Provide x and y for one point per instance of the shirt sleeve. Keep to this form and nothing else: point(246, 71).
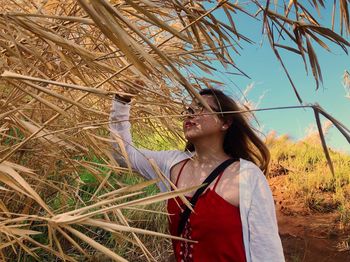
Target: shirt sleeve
point(265, 242)
point(138, 158)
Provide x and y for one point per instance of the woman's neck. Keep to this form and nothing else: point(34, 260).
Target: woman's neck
point(209, 152)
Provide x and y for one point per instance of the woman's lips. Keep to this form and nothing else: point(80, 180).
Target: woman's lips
point(189, 124)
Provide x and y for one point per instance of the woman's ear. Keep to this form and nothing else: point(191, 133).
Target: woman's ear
point(227, 124)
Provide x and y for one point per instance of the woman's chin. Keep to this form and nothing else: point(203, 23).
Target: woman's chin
point(190, 136)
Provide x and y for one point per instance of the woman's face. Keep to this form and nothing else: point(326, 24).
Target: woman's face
point(201, 124)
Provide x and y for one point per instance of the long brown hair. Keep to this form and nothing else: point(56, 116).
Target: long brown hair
point(241, 140)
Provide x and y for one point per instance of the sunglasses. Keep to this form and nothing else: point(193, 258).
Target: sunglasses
point(195, 110)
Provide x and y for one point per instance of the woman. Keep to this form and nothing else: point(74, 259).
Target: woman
point(234, 219)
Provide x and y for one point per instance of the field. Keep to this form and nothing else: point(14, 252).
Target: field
point(312, 205)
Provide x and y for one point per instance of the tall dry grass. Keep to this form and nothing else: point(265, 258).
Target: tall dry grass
point(306, 182)
point(62, 62)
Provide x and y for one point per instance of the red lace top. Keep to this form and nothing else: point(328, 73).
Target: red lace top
point(215, 224)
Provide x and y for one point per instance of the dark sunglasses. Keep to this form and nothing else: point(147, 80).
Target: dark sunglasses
point(195, 110)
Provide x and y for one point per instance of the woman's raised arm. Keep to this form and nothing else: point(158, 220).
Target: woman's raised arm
point(139, 158)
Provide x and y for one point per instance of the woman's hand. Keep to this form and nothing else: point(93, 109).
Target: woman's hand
point(125, 99)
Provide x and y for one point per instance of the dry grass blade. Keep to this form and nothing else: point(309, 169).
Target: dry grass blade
point(115, 227)
point(12, 75)
point(270, 37)
point(288, 48)
point(115, 33)
point(341, 127)
point(344, 15)
point(8, 113)
point(3, 207)
point(329, 34)
point(68, 218)
point(50, 250)
point(44, 135)
point(40, 99)
point(316, 71)
point(95, 244)
point(77, 212)
point(22, 184)
point(121, 146)
point(157, 21)
point(73, 242)
point(301, 30)
point(21, 232)
point(60, 97)
point(145, 251)
point(163, 178)
point(60, 41)
point(65, 18)
point(129, 189)
point(323, 141)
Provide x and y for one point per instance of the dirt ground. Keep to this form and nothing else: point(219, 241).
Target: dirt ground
point(306, 235)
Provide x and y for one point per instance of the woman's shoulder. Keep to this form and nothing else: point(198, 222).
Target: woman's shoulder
point(250, 172)
point(179, 156)
point(173, 157)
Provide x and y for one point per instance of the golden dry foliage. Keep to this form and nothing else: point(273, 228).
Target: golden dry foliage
point(63, 61)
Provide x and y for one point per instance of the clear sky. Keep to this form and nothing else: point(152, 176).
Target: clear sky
point(269, 79)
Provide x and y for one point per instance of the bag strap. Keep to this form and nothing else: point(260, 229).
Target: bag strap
point(214, 174)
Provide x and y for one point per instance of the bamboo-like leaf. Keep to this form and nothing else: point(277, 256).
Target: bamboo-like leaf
point(24, 185)
point(157, 21)
point(42, 100)
point(58, 245)
point(323, 141)
point(128, 189)
point(21, 232)
point(50, 250)
point(270, 37)
point(93, 206)
point(344, 14)
point(12, 75)
point(341, 127)
point(3, 207)
point(36, 29)
point(124, 221)
point(67, 218)
point(115, 227)
point(326, 32)
point(316, 71)
point(95, 244)
point(288, 48)
point(73, 242)
point(319, 41)
point(116, 33)
point(65, 18)
point(8, 113)
point(164, 179)
point(44, 135)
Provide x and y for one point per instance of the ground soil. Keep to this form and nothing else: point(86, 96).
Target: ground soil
point(307, 235)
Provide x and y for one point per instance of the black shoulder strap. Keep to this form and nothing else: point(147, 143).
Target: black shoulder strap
point(217, 171)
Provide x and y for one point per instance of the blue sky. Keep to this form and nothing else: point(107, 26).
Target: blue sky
point(269, 79)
